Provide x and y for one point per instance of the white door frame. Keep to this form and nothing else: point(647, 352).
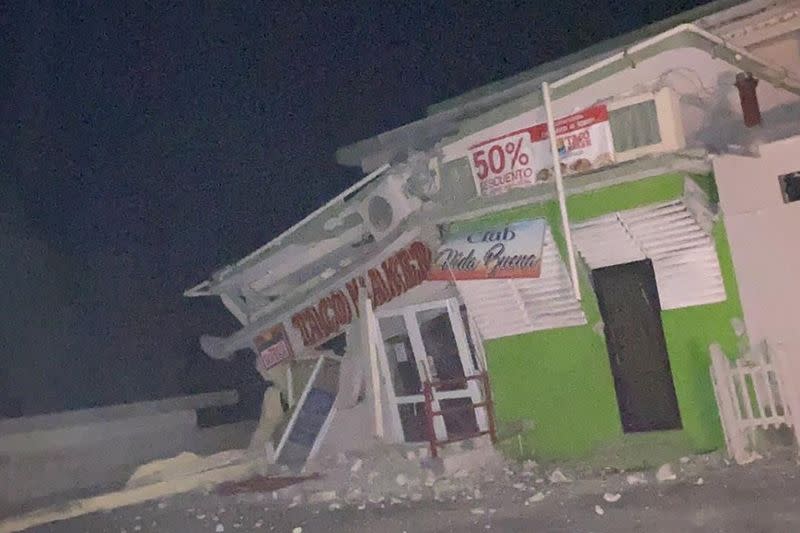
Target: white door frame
point(472, 390)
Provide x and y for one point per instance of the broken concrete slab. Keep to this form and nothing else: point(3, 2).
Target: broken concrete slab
point(599, 510)
point(539, 496)
point(184, 464)
point(557, 476)
point(636, 479)
point(665, 473)
point(322, 497)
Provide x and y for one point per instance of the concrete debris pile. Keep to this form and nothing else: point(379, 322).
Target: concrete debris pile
point(393, 474)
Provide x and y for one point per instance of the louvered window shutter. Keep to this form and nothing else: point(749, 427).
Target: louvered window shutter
point(683, 253)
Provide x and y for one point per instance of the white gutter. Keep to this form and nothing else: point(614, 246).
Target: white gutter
point(201, 289)
point(562, 201)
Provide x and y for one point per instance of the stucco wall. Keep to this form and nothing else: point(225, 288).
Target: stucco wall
point(561, 379)
point(65, 453)
point(763, 233)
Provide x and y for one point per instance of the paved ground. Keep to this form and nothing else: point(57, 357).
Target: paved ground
point(762, 497)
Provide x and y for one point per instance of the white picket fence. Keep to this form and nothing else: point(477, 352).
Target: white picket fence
point(750, 394)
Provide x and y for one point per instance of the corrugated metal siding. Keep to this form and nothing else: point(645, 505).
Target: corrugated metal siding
point(512, 306)
point(683, 253)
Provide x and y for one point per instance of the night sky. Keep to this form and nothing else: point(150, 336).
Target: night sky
point(147, 144)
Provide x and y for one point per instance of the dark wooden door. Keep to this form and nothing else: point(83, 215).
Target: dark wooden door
point(628, 299)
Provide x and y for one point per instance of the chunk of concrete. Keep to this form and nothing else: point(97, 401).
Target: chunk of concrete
point(539, 496)
point(665, 473)
point(599, 510)
point(636, 479)
point(322, 496)
point(557, 476)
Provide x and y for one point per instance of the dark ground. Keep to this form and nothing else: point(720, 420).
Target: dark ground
point(762, 497)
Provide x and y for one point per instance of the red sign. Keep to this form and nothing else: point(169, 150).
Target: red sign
point(402, 271)
point(273, 346)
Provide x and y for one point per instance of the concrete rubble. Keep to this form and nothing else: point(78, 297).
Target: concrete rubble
point(665, 473)
point(186, 464)
point(556, 476)
point(397, 474)
point(387, 476)
point(599, 510)
point(392, 475)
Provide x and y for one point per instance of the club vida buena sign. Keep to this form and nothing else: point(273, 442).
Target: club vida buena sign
point(399, 273)
point(492, 252)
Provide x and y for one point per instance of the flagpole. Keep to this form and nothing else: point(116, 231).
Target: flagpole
point(562, 201)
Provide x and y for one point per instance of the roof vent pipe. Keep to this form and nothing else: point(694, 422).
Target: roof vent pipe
point(746, 84)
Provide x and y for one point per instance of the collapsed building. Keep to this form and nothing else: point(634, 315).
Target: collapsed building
point(581, 233)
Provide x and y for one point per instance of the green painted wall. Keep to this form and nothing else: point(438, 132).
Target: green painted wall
point(561, 379)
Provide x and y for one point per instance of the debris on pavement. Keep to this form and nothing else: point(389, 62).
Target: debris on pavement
point(322, 497)
point(599, 510)
point(636, 479)
point(557, 476)
point(612, 497)
point(539, 496)
point(395, 474)
point(665, 473)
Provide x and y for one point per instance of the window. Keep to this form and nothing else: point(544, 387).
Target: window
point(790, 187)
point(634, 126)
point(646, 124)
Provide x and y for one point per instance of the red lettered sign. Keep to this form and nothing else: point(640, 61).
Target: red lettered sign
point(400, 272)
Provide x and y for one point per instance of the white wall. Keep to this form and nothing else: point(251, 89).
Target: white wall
point(763, 234)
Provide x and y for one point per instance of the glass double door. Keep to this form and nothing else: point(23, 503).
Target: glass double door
point(431, 339)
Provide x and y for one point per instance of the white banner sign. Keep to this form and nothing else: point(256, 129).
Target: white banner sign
point(522, 158)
